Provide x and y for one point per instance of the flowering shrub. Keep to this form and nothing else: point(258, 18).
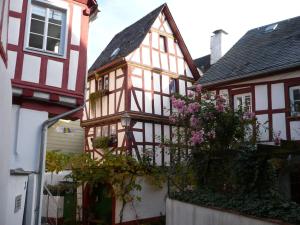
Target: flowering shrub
point(209, 123)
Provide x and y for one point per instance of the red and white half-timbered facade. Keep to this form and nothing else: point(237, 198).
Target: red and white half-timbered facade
point(261, 72)
point(137, 74)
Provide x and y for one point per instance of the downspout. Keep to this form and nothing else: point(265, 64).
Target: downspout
point(42, 157)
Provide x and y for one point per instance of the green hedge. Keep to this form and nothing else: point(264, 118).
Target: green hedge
point(266, 205)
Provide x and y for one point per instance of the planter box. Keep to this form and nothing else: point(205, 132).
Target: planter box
point(179, 213)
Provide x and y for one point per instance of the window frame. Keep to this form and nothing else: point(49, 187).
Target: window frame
point(165, 44)
point(292, 100)
point(243, 97)
point(48, 4)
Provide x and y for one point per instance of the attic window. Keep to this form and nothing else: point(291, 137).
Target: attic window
point(270, 28)
point(115, 53)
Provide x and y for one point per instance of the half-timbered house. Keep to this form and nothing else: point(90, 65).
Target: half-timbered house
point(136, 74)
point(43, 50)
point(261, 72)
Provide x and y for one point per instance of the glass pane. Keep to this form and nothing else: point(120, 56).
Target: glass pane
point(239, 101)
point(297, 106)
point(53, 45)
point(36, 41)
point(106, 83)
point(113, 130)
point(54, 30)
point(37, 26)
point(105, 131)
point(162, 44)
point(296, 93)
point(55, 16)
point(38, 12)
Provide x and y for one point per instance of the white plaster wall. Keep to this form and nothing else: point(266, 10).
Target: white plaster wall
point(171, 45)
point(295, 130)
point(155, 59)
point(16, 5)
point(76, 25)
point(188, 71)
point(173, 64)
point(148, 132)
point(148, 102)
point(155, 39)
point(277, 91)
point(54, 73)
point(5, 138)
point(28, 139)
point(137, 82)
point(4, 34)
point(261, 97)
point(279, 124)
point(180, 213)
point(122, 102)
point(31, 199)
point(157, 104)
point(31, 68)
point(119, 82)
point(138, 136)
point(156, 82)
point(11, 66)
point(147, 80)
point(165, 84)
point(112, 78)
point(120, 138)
point(146, 56)
point(74, 56)
point(111, 105)
point(136, 56)
point(104, 105)
point(17, 186)
point(180, 66)
point(151, 205)
point(164, 61)
point(263, 127)
point(13, 30)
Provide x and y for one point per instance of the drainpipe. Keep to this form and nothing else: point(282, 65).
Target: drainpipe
point(42, 157)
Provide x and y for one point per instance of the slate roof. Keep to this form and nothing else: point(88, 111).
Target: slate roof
point(127, 40)
point(203, 63)
point(261, 50)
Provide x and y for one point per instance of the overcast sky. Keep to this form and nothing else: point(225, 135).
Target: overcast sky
point(196, 19)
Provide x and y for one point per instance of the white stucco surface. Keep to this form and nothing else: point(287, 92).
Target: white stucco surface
point(261, 97)
point(16, 5)
point(13, 30)
point(277, 91)
point(151, 205)
point(31, 68)
point(54, 73)
point(74, 56)
point(279, 124)
point(295, 130)
point(28, 138)
point(180, 213)
point(76, 25)
point(5, 138)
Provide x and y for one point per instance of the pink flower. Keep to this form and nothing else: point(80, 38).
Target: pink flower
point(197, 137)
point(198, 88)
point(193, 107)
point(194, 121)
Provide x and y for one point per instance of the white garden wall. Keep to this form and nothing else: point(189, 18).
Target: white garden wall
point(180, 213)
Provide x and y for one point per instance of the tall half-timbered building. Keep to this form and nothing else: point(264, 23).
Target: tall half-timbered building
point(136, 74)
point(43, 68)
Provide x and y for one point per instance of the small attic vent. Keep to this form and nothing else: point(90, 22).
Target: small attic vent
point(270, 28)
point(115, 52)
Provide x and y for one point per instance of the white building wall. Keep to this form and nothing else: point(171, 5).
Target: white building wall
point(28, 138)
point(261, 97)
point(5, 138)
point(152, 203)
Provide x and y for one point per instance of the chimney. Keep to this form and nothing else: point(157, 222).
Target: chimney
point(217, 46)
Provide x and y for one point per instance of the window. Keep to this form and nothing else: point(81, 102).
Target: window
point(244, 101)
point(47, 29)
point(295, 100)
point(163, 43)
point(105, 82)
point(172, 86)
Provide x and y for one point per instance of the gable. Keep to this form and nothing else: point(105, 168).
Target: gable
point(136, 41)
point(161, 49)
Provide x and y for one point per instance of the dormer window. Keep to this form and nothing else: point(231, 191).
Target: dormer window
point(163, 43)
point(47, 29)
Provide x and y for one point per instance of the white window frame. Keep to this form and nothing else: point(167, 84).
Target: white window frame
point(55, 4)
point(243, 96)
point(292, 100)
